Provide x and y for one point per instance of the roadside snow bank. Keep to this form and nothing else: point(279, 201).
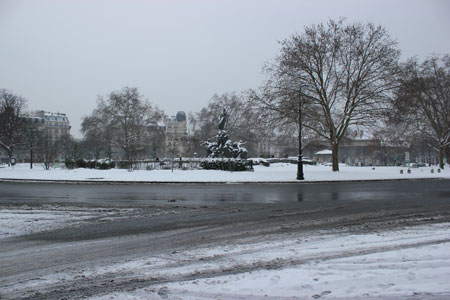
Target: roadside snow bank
point(406, 263)
point(26, 220)
point(328, 264)
point(403, 263)
point(279, 172)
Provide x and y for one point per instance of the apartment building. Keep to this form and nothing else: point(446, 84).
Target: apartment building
point(176, 133)
point(55, 125)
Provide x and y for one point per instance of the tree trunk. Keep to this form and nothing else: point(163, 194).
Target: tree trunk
point(335, 156)
point(441, 156)
point(109, 152)
point(447, 154)
point(128, 158)
point(10, 155)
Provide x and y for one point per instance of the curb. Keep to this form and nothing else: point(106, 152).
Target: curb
point(111, 182)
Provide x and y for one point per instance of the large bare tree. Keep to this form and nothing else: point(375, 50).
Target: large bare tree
point(423, 99)
point(97, 131)
point(122, 119)
point(11, 120)
point(337, 75)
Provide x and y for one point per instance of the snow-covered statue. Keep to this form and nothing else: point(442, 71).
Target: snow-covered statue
point(225, 154)
point(239, 152)
point(223, 147)
point(222, 138)
point(222, 120)
point(211, 148)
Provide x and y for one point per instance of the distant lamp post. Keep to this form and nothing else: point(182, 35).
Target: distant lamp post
point(300, 175)
point(32, 132)
point(429, 152)
point(195, 159)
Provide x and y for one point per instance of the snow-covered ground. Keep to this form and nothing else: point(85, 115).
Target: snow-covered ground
point(15, 221)
point(279, 172)
point(404, 263)
point(408, 262)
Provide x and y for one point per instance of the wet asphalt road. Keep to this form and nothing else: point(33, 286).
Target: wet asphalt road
point(211, 204)
point(377, 193)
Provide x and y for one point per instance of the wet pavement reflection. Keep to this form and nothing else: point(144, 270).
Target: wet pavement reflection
point(150, 194)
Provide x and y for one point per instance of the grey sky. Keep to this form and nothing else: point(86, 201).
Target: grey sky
point(61, 54)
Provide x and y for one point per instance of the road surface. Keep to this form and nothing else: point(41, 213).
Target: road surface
point(172, 218)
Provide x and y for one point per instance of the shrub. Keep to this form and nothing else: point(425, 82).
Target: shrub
point(227, 165)
point(106, 164)
point(70, 163)
point(81, 163)
point(91, 164)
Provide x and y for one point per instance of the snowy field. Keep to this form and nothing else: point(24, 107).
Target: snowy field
point(279, 172)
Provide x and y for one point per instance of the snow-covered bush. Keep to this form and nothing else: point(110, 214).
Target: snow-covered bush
point(260, 161)
point(227, 164)
point(106, 165)
point(70, 163)
point(81, 163)
point(103, 164)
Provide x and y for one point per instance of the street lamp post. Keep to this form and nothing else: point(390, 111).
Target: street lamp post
point(300, 151)
point(32, 131)
point(429, 153)
point(31, 156)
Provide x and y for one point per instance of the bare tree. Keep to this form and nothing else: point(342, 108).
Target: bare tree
point(97, 131)
point(48, 149)
point(31, 134)
point(334, 76)
point(68, 147)
point(423, 99)
point(122, 119)
point(204, 123)
point(11, 120)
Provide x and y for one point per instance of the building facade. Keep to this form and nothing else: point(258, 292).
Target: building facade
point(55, 125)
point(176, 134)
point(40, 126)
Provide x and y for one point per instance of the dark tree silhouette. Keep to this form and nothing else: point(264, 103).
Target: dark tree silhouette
point(340, 75)
point(423, 99)
point(12, 121)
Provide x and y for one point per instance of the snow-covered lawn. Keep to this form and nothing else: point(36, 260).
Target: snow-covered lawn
point(279, 172)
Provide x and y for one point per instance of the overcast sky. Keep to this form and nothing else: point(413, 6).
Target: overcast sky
point(61, 55)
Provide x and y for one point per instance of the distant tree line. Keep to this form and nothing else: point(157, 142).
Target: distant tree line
point(333, 79)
